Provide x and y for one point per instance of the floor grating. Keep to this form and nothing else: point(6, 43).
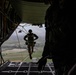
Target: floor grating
point(24, 68)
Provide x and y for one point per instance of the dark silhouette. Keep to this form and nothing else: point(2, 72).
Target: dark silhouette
point(41, 63)
point(60, 26)
point(30, 41)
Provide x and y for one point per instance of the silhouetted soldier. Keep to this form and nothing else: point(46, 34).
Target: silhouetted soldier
point(53, 36)
point(30, 41)
point(60, 41)
point(62, 29)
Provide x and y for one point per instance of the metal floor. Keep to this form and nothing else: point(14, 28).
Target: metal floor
point(24, 68)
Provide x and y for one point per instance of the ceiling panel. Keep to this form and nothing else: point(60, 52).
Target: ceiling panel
point(33, 12)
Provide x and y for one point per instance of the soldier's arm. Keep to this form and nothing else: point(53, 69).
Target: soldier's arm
point(25, 37)
point(36, 37)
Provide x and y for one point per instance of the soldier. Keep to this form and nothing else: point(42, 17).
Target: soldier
point(53, 36)
point(30, 41)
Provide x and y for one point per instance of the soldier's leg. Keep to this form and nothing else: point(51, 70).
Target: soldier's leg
point(29, 51)
point(32, 48)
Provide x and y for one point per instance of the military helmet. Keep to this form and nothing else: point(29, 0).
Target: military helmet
point(30, 30)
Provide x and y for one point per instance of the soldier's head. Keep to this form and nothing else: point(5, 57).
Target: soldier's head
point(47, 1)
point(51, 1)
point(30, 31)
